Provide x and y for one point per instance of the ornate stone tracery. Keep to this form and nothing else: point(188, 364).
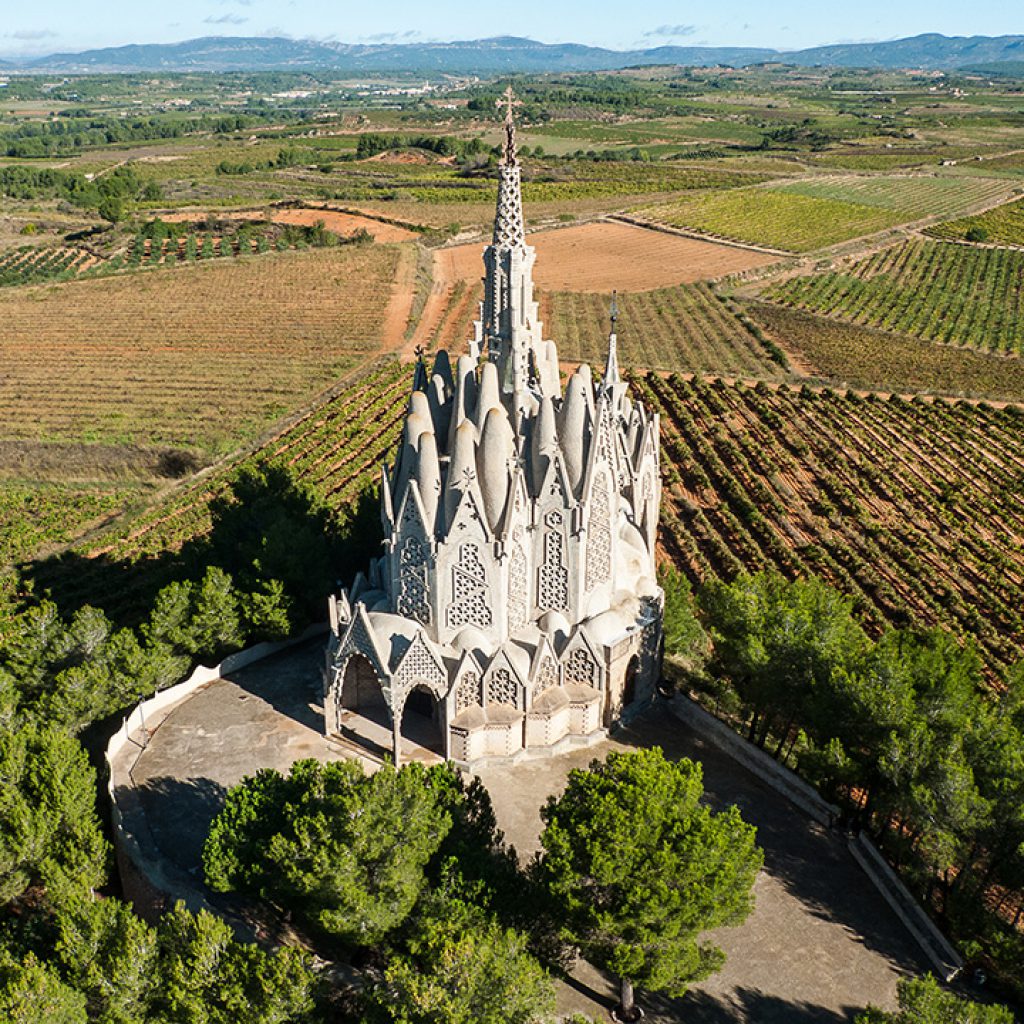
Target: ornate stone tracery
point(413, 596)
point(599, 542)
point(469, 590)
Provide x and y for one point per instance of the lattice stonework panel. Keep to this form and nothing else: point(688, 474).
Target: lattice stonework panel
point(419, 667)
point(470, 604)
point(468, 693)
point(581, 668)
point(553, 574)
point(414, 590)
point(547, 675)
point(599, 540)
point(502, 688)
point(518, 589)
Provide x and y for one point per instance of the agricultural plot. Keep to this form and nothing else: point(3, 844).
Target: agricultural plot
point(330, 456)
point(686, 328)
point(953, 294)
point(870, 359)
point(34, 515)
point(773, 218)
point(1002, 225)
point(801, 216)
point(30, 264)
point(914, 508)
point(914, 196)
point(203, 355)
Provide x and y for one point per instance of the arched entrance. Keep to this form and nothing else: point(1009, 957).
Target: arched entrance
point(422, 727)
point(630, 680)
point(360, 687)
point(362, 714)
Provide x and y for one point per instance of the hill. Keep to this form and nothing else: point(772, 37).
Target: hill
point(514, 54)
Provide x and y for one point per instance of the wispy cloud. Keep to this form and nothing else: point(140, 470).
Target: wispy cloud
point(225, 19)
point(670, 31)
point(30, 35)
point(390, 37)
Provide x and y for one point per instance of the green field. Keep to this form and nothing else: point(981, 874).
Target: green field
point(774, 218)
point(936, 291)
point(1003, 225)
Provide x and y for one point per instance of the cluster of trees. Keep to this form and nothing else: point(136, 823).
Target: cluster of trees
point(292, 156)
point(407, 869)
point(373, 143)
point(108, 194)
point(70, 672)
point(71, 134)
point(901, 731)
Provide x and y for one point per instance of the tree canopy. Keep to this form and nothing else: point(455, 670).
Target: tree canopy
point(640, 868)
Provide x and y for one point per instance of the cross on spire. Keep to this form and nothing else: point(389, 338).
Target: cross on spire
point(509, 101)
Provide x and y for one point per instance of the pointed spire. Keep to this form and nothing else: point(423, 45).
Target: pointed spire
point(462, 469)
point(611, 369)
point(573, 425)
point(509, 229)
point(428, 478)
point(489, 396)
point(543, 442)
point(496, 449)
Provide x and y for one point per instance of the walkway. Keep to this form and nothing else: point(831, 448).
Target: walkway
point(820, 944)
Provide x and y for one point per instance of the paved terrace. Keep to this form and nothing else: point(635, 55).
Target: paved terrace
point(820, 944)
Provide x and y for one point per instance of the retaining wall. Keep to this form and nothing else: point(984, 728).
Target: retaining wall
point(144, 873)
point(945, 960)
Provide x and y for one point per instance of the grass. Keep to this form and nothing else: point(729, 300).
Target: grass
point(205, 354)
point(686, 328)
point(936, 291)
point(862, 357)
point(1002, 225)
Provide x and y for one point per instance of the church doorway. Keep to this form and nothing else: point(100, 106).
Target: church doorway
point(362, 713)
point(629, 683)
point(422, 726)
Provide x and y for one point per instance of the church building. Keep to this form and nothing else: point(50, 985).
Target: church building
point(515, 608)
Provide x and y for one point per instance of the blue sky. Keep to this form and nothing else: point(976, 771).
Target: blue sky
point(53, 25)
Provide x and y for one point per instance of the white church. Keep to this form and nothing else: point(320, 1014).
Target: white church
point(515, 609)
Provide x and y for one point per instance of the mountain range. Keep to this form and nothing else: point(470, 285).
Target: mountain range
point(508, 54)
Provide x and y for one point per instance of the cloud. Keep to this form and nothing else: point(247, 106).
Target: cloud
point(225, 19)
point(390, 37)
point(30, 35)
point(670, 31)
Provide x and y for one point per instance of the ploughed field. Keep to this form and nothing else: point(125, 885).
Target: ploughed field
point(203, 355)
point(914, 507)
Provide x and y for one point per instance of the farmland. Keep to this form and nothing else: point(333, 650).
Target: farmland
point(203, 355)
point(327, 458)
point(816, 212)
point(1002, 225)
point(31, 264)
point(683, 328)
point(940, 292)
point(914, 508)
point(871, 359)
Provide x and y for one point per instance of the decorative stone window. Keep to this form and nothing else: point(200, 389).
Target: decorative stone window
point(547, 675)
point(553, 575)
point(468, 693)
point(413, 598)
point(599, 541)
point(581, 668)
point(470, 604)
point(502, 688)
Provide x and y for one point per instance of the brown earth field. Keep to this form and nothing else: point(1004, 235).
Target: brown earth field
point(201, 355)
point(334, 220)
point(604, 255)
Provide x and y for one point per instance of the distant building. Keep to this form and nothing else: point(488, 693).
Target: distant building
point(515, 607)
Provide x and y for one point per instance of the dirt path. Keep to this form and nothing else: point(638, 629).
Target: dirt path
point(403, 293)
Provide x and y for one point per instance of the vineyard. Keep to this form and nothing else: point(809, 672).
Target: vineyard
point(331, 455)
point(686, 328)
point(915, 508)
point(772, 217)
point(32, 515)
point(913, 196)
point(953, 294)
point(1003, 225)
point(202, 355)
point(30, 264)
point(867, 358)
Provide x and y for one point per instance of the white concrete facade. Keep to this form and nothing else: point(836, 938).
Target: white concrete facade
point(517, 588)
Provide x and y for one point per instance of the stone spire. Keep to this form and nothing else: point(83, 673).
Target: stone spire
point(509, 328)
